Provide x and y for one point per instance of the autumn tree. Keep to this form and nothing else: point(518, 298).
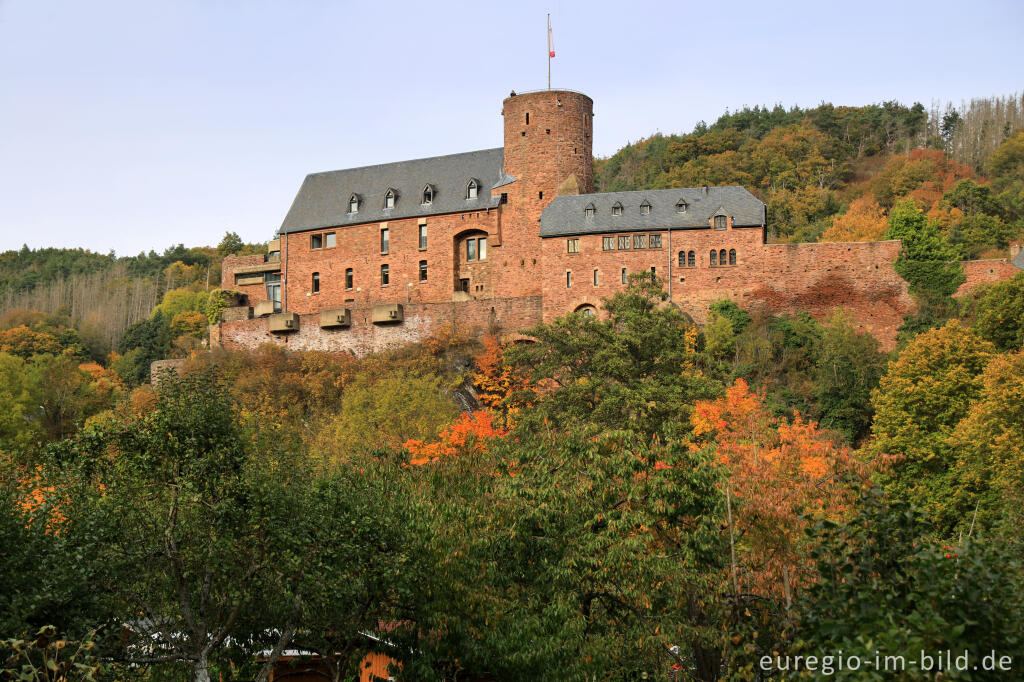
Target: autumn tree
point(864, 221)
point(920, 400)
point(995, 312)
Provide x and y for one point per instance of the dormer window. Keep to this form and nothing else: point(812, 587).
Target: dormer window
point(353, 204)
point(680, 206)
point(645, 208)
point(616, 208)
point(721, 222)
point(389, 198)
point(428, 195)
point(589, 211)
point(472, 189)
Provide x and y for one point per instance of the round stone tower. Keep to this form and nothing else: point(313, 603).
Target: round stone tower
point(548, 150)
point(548, 141)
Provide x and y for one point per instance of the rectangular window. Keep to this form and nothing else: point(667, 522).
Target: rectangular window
point(654, 270)
point(470, 249)
point(572, 245)
point(316, 241)
point(655, 241)
point(481, 248)
point(349, 279)
point(385, 276)
point(385, 240)
point(720, 222)
point(423, 271)
point(624, 243)
point(423, 237)
point(330, 240)
point(568, 278)
point(273, 281)
point(316, 283)
point(607, 243)
point(595, 278)
point(639, 241)
point(623, 275)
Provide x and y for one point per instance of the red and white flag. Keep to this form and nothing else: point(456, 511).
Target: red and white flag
point(551, 41)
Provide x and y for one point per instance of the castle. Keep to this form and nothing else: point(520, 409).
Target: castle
point(378, 256)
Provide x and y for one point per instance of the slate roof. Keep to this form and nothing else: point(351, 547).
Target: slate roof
point(565, 215)
point(323, 199)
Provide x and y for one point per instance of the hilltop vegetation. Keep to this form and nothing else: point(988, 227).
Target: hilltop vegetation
point(833, 172)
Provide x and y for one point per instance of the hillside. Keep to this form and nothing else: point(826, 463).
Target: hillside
point(814, 166)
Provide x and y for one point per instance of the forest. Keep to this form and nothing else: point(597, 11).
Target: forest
point(628, 496)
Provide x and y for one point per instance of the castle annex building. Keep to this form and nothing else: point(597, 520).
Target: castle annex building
point(512, 236)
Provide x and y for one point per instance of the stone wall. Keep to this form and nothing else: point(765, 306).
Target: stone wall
point(422, 321)
point(984, 271)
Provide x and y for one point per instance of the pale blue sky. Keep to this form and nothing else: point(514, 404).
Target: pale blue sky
point(137, 124)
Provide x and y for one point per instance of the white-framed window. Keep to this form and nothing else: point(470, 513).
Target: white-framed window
point(607, 243)
point(572, 245)
point(390, 197)
point(624, 242)
point(589, 211)
point(655, 241)
point(645, 208)
point(616, 209)
point(353, 204)
point(639, 241)
point(472, 189)
point(330, 240)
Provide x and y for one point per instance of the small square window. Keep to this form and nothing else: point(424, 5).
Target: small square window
point(607, 243)
point(330, 240)
point(572, 245)
point(624, 243)
point(316, 241)
point(645, 208)
point(639, 241)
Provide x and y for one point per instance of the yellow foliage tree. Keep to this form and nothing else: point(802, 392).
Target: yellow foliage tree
point(865, 221)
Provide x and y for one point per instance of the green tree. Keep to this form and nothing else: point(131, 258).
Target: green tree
point(847, 368)
point(193, 524)
point(884, 587)
point(922, 397)
point(995, 310)
point(230, 244)
point(637, 368)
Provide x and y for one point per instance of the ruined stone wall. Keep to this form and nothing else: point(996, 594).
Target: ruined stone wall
point(422, 321)
point(984, 271)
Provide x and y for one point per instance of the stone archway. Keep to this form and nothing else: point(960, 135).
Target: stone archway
point(471, 264)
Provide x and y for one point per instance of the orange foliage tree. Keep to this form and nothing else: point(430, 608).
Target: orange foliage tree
point(779, 473)
point(500, 384)
point(864, 221)
point(471, 433)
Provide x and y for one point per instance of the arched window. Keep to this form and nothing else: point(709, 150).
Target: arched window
point(714, 258)
point(428, 195)
point(586, 310)
point(732, 256)
point(721, 257)
point(472, 189)
point(645, 208)
point(353, 204)
point(589, 211)
point(682, 259)
point(691, 259)
point(616, 208)
point(390, 197)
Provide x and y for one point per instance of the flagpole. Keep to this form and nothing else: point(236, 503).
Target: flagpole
point(549, 51)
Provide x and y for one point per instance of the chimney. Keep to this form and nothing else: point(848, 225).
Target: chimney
point(704, 190)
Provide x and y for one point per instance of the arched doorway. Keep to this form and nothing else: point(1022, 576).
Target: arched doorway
point(471, 264)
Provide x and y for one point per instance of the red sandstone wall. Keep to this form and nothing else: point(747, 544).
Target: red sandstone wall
point(358, 247)
point(255, 292)
point(422, 320)
point(983, 271)
point(779, 278)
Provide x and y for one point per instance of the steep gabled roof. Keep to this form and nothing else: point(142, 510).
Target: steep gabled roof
point(323, 199)
point(564, 215)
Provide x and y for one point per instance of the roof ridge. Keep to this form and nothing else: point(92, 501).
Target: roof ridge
point(395, 163)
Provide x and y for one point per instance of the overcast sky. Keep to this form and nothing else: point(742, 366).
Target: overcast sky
point(134, 125)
